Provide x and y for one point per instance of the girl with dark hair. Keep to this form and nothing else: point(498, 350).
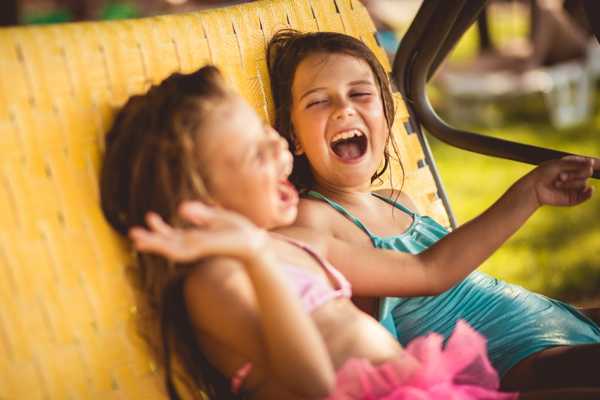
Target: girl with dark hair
point(333, 105)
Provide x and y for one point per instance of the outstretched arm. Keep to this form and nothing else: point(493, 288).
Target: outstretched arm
point(382, 272)
point(240, 299)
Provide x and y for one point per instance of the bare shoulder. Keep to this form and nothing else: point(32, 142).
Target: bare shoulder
point(400, 197)
point(213, 278)
point(308, 235)
point(215, 285)
point(314, 214)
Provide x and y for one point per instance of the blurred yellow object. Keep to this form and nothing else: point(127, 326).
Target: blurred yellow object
point(67, 325)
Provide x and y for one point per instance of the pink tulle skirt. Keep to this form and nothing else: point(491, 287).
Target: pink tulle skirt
point(426, 371)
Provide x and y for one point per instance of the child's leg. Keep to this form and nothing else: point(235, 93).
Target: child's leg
point(556, 368)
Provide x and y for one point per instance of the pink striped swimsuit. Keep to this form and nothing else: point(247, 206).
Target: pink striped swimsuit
point(313, 291)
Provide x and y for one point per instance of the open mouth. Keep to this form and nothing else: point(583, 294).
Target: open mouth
point(287, 193)
point(349, 145)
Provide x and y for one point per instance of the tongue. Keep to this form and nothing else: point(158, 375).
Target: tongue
point(287, 190)
point(347, 150)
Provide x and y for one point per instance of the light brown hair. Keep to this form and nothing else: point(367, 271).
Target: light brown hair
point(152, 163)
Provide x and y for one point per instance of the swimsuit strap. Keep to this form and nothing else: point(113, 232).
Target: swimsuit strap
point(353, 218)
point(394, 203)
point(344, 287)
point(341, 210)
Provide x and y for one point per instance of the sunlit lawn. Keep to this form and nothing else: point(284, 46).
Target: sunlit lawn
point(558, 251)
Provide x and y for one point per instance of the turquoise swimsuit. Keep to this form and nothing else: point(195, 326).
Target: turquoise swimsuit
point(516, 322)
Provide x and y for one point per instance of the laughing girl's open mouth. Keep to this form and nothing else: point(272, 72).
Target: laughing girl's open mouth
point(287, 193)
point(349, 145)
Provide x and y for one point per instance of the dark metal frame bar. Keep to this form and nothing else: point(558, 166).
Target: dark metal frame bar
point(433, 33)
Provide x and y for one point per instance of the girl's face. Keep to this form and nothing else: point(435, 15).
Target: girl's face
point(338, 119)
point(248, 164)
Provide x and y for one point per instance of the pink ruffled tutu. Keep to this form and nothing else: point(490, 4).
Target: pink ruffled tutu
point(426, 371)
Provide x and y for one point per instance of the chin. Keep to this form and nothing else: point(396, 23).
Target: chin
point(287, 218)
point(354, 180)
point(352, 174)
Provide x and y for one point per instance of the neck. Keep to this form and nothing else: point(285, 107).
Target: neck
point(345, 195)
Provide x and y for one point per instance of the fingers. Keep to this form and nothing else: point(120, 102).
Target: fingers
point(576, 175)
point(137, 234)
point(572, 171)
point(156, 224)
point(186, 244)
point(582, 195)
point(195, 212)
point(572, 184)
point(155, 239)
point(139, 237)
point(575, 171)
point(578, 163)
point(205, 216)
point(145, 241)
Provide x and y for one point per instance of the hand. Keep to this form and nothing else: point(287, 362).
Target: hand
point(563, 182)
point(216, 232)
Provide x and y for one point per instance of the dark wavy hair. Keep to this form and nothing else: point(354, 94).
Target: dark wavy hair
point(151, 163)
point(285, 51)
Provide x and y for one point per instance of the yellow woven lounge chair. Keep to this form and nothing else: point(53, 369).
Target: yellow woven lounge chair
point(67, 325)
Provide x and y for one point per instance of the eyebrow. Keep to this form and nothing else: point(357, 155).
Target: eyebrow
point(353, 83)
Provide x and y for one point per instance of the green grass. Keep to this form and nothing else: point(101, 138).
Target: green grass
point(558, 251)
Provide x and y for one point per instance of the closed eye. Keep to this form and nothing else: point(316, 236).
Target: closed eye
point(360, 94)
point(314, 103)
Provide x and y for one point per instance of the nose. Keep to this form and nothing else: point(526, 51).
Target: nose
point(343, 110)
point(278, 143)
point(285, 158)
point(287, 162)
point(281, 152)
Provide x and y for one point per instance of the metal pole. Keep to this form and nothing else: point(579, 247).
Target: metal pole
point(483, 28)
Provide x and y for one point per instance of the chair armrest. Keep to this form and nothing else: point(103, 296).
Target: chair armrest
point(421, 52)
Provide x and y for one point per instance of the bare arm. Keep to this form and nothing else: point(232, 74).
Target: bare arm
point(442, 265)
point(385, 272)
point(240, 298)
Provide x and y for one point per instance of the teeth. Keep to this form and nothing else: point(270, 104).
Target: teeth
point(346, 135)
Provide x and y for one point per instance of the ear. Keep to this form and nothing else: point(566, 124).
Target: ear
point(297, 146)
point(298, 150)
